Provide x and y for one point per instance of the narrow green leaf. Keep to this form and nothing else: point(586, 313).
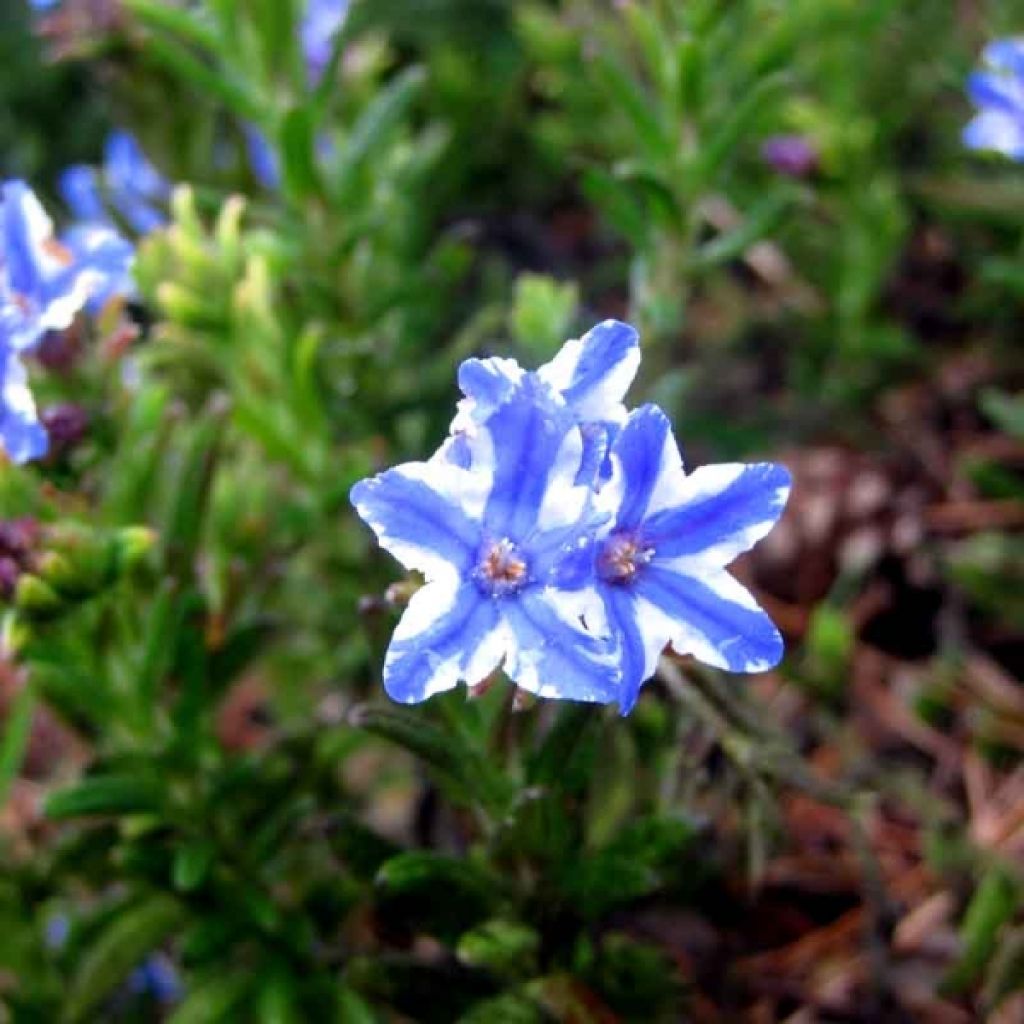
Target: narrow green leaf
point(127, 939)
point(298, 154)
point(761, 221)
point(106, 794)
point(376, 123)
point(215, 1000)
point(18, 728)
point(443, 750)
point(995, 901)
point(191, 487)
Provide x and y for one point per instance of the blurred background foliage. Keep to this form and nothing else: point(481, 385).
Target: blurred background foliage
point(209, 810)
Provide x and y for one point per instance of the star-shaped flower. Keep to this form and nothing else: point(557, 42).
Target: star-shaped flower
point(660, 562)
point(504, 547)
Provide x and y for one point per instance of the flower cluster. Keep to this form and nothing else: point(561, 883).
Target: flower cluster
point(44, 282)
point(561, 538)
point(998, 93)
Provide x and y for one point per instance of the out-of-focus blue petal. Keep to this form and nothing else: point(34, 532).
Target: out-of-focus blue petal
point(320, 24)
point(594, 373)
point(111, 256)
point(645, 451)
point(1002, 92)
point(135, 185)
point(25, 230)
point(535, 447)
point(128, 169)
point(596, 442)
point(447, 633)
point(726, 510)
point(416, 514)
point(714, 618)
point(554, 655)
point(80, 189)
point(996, 131)
point(1005, 55)
point(22, 436)
point(262, 159)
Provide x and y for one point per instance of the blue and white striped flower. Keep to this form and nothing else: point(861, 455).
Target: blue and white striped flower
point(998, 93)
point(505, 549)
point(660, 563)
point(592, 374)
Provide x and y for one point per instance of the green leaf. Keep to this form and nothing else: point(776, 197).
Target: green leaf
point(1005, 411)
point(298, 154)
point(106, 794)
point(190, 489)
point(638, 105)
point(995, 901)
point(381, 117)
point(505, 948)
point(761, 221)
point(466, 773)
point(619, 204)
point(192, 864)
point(187, 24)
point(724, 139)
point(132, 934)
point(17, 729)
point(441, 895)
point(215, 1000)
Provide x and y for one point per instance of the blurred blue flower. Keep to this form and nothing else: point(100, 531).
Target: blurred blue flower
point(127, 179)
point(44, 283)
point(505, 551)
point(320, 24)
point(660, 564)
point(592, 374)
point(156, 976)
point(998, 93)
point(262, 158)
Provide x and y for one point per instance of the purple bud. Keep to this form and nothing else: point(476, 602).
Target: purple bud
point(66, 424)
point(792, 155)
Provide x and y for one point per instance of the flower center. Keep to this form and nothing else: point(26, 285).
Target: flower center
point(622, 557)
point(501, 569)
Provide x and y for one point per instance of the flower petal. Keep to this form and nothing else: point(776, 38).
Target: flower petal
point(1005, 55)
point(1004, 92)
point(997, 131)
point(425, 514)
point(21, 434)
point(26, 229)
point(646, 463)
point(641, 638)
point(714, 618)
point(533, 448)
point(553, 655)
point(449, 631)
point(725, 509)
point(594, 372)
point(79, 188)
